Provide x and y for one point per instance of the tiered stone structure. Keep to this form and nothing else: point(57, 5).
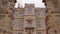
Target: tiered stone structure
point(29, 20)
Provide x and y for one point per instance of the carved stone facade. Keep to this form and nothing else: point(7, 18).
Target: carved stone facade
point(29, 20)
point(6, 11)
point(53, 16)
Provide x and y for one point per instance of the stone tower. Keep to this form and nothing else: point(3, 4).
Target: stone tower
point(6, 11)
point(29, 20)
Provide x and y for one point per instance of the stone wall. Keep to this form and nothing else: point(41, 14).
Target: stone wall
point(6, 11)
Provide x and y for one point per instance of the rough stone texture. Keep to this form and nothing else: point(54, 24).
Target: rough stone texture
point(5, 16)
point(53, 14)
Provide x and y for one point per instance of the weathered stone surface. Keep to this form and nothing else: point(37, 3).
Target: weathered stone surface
point(12, 1)
point(6, 16)
point(54, 22)
point(4, 1)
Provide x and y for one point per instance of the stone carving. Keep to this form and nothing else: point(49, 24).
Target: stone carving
point(6, 12)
